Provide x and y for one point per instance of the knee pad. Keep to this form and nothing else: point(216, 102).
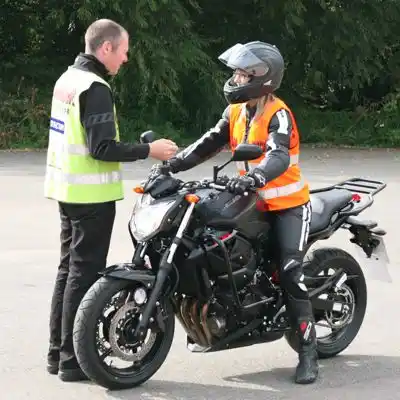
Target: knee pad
point(292, 280)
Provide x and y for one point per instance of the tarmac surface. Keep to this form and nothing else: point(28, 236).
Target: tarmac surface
point(29, 251)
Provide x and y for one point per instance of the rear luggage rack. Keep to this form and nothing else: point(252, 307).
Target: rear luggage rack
point(361, 185)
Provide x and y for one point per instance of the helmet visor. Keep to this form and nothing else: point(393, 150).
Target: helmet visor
point(239, 57)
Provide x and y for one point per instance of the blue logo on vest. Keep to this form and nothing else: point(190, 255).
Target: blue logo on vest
point(57, 125)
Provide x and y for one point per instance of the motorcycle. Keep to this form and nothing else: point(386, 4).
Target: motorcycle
point(205, 256)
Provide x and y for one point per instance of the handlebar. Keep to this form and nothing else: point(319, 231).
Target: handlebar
point(223, 187)
point(216, 186)
point(220, 184)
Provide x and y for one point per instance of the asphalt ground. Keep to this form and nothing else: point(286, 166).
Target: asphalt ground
point(29, 251)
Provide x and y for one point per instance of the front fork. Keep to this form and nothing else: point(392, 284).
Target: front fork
point(163, 272)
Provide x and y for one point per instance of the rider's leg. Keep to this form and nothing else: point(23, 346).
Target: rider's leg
point(291, 227)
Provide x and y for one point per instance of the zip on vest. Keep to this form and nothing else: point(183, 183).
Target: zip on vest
point(249, 122)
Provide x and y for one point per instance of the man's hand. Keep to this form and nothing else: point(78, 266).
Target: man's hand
point(163, 149)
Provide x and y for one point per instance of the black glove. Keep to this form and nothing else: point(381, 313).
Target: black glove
point(258, 176)
point(240, 184)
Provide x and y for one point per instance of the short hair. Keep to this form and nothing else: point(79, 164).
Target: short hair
point(103, 30)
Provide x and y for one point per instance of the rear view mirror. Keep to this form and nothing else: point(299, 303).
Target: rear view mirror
point(147, 137)
point(246, 152)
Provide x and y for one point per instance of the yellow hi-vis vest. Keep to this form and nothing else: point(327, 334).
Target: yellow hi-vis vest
point(72, 174)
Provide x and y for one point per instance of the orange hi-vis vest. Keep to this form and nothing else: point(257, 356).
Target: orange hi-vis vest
point(287, 190)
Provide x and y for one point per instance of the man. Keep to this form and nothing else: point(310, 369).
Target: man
point(83, 173)
point(256, 116)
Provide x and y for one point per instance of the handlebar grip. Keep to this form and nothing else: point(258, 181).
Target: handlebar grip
point(218, 187)
point(223, 187)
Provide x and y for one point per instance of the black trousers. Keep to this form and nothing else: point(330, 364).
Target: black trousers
point(85, 240)
point(290, 229)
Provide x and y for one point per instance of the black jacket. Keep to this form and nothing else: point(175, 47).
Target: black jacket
point(277, 158)
point(97, 117)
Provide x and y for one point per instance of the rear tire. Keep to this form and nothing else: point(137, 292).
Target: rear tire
point(321, 260)
point(84, 336)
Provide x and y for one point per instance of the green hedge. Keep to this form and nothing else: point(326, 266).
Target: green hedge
point(24, 124)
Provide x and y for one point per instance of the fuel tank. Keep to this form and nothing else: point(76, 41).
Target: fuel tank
point(224, 210)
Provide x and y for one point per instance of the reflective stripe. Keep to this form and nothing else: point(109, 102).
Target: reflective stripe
point(57, 143)
point(240, 165)
point(84, 179)
point(281, 191)
point(294, 159)
point(78, 149)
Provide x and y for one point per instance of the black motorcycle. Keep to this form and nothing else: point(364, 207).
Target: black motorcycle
point(205, 255)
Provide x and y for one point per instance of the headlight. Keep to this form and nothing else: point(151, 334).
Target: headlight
point(147, 218)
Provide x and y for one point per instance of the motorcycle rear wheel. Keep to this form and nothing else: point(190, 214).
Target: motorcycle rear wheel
point(319, 262)
point(87, 347)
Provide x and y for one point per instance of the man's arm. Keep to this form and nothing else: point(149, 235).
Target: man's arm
point(205, 147)
point(277, 159)
point(97, 117)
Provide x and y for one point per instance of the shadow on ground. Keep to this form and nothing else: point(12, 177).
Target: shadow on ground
point(339, 373)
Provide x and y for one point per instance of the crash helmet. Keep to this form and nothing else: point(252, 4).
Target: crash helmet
point(263, 64)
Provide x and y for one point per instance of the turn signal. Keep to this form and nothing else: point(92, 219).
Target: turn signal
point(192, 198)
point(138, 189)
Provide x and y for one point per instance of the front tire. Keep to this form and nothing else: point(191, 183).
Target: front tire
point(86, 338)
point(319, 262)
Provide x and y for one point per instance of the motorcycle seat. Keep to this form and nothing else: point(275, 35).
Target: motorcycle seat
point(325, 204)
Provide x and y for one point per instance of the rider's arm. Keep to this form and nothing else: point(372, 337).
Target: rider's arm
point(205, 147)
point(277, 158)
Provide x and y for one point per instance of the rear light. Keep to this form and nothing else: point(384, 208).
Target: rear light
point(356, 198)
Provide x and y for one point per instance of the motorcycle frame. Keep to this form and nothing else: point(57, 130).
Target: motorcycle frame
point(155, 279)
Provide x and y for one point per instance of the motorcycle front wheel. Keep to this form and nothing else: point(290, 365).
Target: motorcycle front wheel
point(103, 331)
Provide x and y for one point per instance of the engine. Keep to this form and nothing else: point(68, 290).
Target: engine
point(206, 323)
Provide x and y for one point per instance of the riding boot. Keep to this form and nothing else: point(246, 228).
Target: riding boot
point(302, 321)
point(307, 368)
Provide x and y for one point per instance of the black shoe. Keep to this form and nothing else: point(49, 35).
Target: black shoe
point(52, 367)
point(72, 375)
point(53, 361)
point(307, 369)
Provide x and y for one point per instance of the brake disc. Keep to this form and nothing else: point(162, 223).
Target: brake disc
point(345, 317)
point(128, 352)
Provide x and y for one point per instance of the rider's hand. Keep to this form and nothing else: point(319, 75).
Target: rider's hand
point(259, 178)
point(240, 184)
point(163, 149)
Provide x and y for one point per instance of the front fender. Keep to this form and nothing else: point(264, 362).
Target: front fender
point(131, 272)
